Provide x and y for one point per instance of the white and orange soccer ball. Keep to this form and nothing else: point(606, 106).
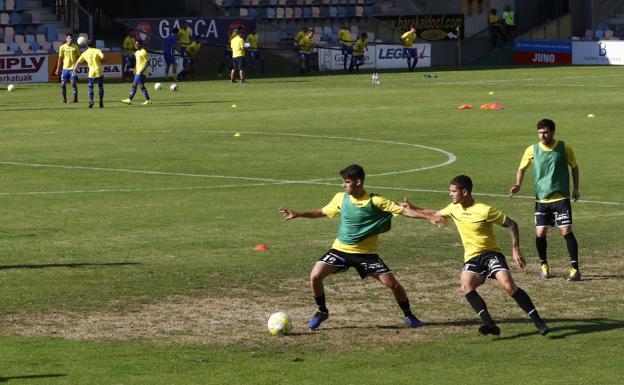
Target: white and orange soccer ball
point(279, 324)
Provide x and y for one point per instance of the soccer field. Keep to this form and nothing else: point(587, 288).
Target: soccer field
point(128, 232)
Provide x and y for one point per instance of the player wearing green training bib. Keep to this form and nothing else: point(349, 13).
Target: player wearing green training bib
point(549, 161)
point(363, 216)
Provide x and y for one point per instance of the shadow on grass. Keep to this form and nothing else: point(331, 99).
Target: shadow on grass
point(602, 277)
point(30, 377)
point(67, 265)
point(572, 327)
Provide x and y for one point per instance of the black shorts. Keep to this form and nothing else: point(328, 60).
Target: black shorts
point(365, 264)
point(487, 264)
point(238, 63)
point(557, 213)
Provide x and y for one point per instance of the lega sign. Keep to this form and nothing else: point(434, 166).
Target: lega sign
point(377, 56)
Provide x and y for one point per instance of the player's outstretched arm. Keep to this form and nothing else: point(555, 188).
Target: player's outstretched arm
point(516, 187)
point(575, 183)
point(433, 216)
point(292, 214)
point(515, 239)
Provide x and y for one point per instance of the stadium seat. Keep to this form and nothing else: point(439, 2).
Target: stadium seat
point(30, 30)
point(20, 29)
point(1, 33)
point(8, 30)
point(316, 12)
point(609, 34)
point(35, 46)
point(56, 45)
point(15, 18)
point(100, 44)
point(20, 4)
point(30, 38)
point(333, 11)
point(14, 47)
point(26, 18)
point(47, 46)
point(298, 12)
point(599, 34)
point(1, 4)
point(307, 12)
point(4, 18)
point(19, 39)
point(41, 30)
point(36, 17)
point(589, 34)
point(4, 49)
point(243, 12)
point(51, 33)
point(9, 5)
point(289, 12)
point(25, 47)
point(39, 38)
point(270, 13)
point(279, 13)
point(8, 38)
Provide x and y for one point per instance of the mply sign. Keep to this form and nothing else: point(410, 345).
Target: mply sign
point(21, 64)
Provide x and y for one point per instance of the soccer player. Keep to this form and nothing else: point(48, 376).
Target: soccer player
point(344, 38)
point(170, 46)
point(482, 255)
point(128, 54)
point(411, 53)
point(304, 32)
point(184, 36)
point(238, 56)
point(68, 54)
point(227, 55)
point(495, 28)
point(305, 52)
point(93, 57)
point(357, 59)
point(140, 71)
point(190, 58)
point(363, 216)
point(549, 160)
point(254, 53)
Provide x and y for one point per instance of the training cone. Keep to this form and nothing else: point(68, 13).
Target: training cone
point(261, 247)
point(237, 135)
point(465, 107)
point(591, 115)
point(234, 106)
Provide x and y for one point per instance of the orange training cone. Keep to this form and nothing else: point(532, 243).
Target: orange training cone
point(261, 247)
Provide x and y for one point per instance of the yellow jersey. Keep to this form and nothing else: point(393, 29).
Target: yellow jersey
point(254, 41)
point(128, 45)
point(299, 36)
point(184, 36)
point(408, 39)
point(475, 226)
point(344, 37)
point(142, 62)
point(228, 46)
point(494, 20)
point(527, 160)
point(93, 57)
point(305, 44)
point(193, 49)
point(359, 47)
point(370, 244)
point(69, 54)
point(238, 46)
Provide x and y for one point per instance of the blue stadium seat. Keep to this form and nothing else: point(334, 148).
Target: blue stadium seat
point(52, 34)
point(15, 18)
point(20, 4)
point(41, 30)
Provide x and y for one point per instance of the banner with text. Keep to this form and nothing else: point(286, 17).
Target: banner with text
point(214, 32)
point(24, 69)
point(112, 67)
point(542, 52)
point(429, 27)
point(381, 56)
point(598, 52)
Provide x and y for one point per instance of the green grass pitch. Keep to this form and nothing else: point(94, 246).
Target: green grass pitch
point(127, 238)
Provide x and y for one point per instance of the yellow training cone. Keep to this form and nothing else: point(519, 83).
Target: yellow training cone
point(591, 115)
point(237, 135)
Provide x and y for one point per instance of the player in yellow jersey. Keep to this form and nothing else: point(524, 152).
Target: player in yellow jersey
point(253, 40)
point(94, 58)
point(305, 52)
point(344, 38)
point(483, 257)
point(304, 31)
point(238, 56)
point(140, 71)
point(409, 51)
point(68, 54)
point(496, 29)
point(185, 36)
point(128, 62)
point(191, 56)
point(363, 216)
point(227, 55)
point(549, 161)
point(357, 59)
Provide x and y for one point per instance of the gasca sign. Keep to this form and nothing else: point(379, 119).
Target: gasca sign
point(430, 27)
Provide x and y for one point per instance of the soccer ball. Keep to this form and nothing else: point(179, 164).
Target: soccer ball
point(82, 41)
point(173, 87)
point(11, 87)
point(280, 324)
point(157, 86)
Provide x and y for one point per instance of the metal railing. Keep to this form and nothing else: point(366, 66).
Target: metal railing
point(76, 17)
